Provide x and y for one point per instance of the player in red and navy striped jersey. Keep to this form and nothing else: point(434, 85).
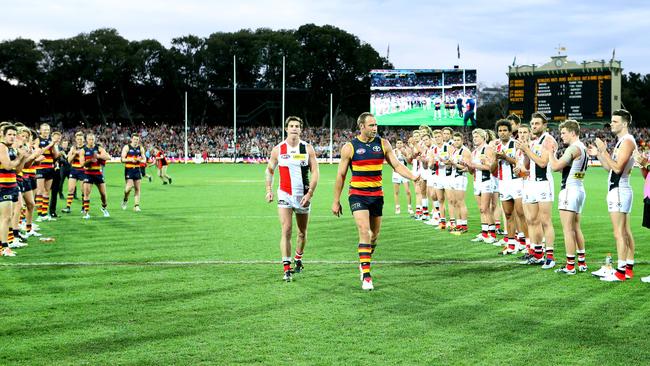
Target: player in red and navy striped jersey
point(295, 159)
point(365, 156)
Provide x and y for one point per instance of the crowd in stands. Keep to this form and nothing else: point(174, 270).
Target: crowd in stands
point(420, 79)
point(256, 142)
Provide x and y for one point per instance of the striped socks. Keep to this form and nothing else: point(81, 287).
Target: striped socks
point(365, 255)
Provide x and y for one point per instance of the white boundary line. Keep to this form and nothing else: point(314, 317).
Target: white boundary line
point(260, 262)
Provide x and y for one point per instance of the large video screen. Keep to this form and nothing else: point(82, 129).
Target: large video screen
point(579, 95)
point(435, 97)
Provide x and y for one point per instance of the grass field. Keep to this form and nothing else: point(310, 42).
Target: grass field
point(416, 117)
point(195, 278)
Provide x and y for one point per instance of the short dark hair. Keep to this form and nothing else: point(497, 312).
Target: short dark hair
point(7, 127)
point(625, 115)
point(291, 119)
point(571, 125)
point(524, 125)
point(514, 118)
point(539, 115)
point(503, 122)
point(362, 118)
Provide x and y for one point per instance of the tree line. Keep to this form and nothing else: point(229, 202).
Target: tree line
point(101, 76)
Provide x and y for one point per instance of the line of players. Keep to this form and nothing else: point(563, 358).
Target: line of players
point(512, 172)
point(28, 166)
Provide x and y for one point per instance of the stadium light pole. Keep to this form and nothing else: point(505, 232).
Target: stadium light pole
point(283, 82)
point(331, 125)
point(234, 104)
point(185, 127)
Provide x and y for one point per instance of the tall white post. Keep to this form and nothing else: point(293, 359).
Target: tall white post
point(331, 130)
point(234, 104)
point(186, 128)
point(283, 81)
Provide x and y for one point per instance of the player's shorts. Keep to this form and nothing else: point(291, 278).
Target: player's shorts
point(45, 173)
point(486, 187)
point(286, 200)
point(511, 189)
point(374, 204)
point(132, 173)
point(539, 191)
point(619, 199)
point(143, 171)
point(459, 183)
point(431, 179)
point(77, 174)
point(437, 107)
point(495, 184)
point(447, 181)
point(439, 183)
point(571, 199)
point(646, 213)
point(398, 179)
point(94, 179)
point(9, 194)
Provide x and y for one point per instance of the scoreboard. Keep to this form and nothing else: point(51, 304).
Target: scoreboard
point(576, 94)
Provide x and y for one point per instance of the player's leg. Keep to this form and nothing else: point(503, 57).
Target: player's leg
point(630, 246)
point(40, 187)
point(286, 223)
point(522, 226)
point(440, 198)
point(13, 231)
point(101, 187)
point(546, 224)
point(128, 185)
point(87, 186)
point(137, 187)
point(364, 249)
point(488, 217)
point(534, 228)
point(72, 185)
point(396, 197)
point(508, 211)
point(568, 220)
point(5, 219)
point(164, 172)
point(407, 190)
point(47, 188)
point(302, 220)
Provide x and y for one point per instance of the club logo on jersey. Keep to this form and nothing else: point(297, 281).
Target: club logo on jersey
point(361, 151)
point(376, 148)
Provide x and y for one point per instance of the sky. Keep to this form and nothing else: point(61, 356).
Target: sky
point(420, 34)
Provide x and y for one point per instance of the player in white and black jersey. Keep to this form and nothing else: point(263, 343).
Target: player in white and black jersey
point(539, 193)
point(459, 183)
point(571, 199)
point(510, 184)
point(447, 153)
point(295, 159)
point(401, 152)
point(480, 164)
point(619, 197)
point(432, 178)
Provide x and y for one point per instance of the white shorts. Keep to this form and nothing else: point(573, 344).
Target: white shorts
point(441, 182)
point(486, 187)
point(448, 180)
point(495, 184)
point(398, 179)
point(620, 200)
point(511, 189)
point(536, 192)
point(572, 199)
point(286, 200)
point(459, 183)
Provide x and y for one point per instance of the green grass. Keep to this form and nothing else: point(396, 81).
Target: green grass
point(416, 117)
point(149, 288)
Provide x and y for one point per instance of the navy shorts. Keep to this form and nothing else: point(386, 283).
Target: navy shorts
point(77, 174)
point(374, 204)
point(143, 171)
point(132, 173)
point(47, 173)
point(9, 194)
point(94, 179)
